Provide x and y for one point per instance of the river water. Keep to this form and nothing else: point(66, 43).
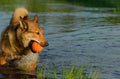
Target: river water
point(79, 35)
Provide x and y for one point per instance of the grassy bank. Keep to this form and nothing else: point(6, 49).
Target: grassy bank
point(66, 73)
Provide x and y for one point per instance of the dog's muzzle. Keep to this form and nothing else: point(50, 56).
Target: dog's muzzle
point(36, 46)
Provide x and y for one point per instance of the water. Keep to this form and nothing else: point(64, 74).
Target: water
point(79, 35)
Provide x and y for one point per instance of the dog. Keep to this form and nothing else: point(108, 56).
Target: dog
point(15, 43)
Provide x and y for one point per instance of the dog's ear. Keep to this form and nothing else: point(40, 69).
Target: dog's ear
point(35, 20)
point(22, 24)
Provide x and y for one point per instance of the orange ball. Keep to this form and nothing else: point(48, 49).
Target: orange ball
point(36, 47)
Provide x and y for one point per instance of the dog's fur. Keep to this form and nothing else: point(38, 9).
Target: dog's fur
point(16, 38)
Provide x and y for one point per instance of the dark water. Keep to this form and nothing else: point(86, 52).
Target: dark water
point(12, 73)
point(78, 35)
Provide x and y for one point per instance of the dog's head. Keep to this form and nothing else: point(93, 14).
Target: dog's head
point(28, 31)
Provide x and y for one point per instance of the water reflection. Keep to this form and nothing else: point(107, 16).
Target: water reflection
point(113, 19)
point(11, 73)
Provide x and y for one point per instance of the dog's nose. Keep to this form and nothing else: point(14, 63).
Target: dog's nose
point(46, 44)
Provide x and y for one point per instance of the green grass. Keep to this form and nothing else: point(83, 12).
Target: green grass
point(66, 73)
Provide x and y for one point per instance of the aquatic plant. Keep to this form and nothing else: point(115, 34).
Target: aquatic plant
point(66, 73)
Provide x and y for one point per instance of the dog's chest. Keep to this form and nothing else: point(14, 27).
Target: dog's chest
point(27, 62)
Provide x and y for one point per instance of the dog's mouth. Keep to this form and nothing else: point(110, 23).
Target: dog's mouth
point(36, 47)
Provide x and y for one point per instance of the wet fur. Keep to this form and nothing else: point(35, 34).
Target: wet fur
point(15, 40)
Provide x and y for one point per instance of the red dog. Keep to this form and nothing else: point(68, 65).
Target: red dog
point(21, 40)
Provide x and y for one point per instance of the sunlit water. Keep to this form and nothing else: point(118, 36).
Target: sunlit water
point(79, 36)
